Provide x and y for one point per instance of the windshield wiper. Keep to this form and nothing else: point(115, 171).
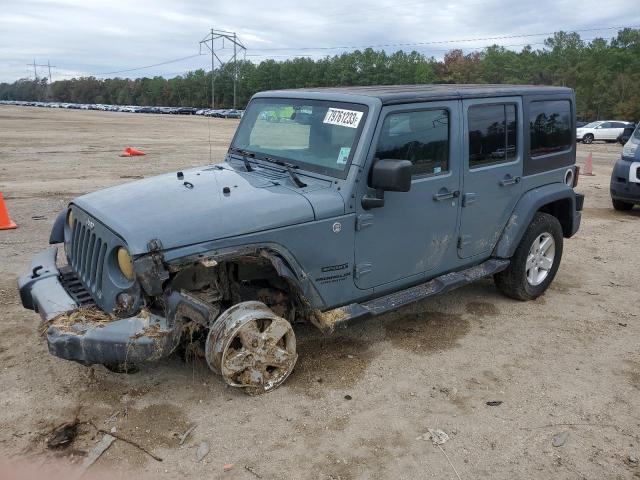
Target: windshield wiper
point(244, 154)
point(289, 168)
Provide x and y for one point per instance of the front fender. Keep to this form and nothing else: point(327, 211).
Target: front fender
point(528, 205)
point(57, 232)
point(281, 259)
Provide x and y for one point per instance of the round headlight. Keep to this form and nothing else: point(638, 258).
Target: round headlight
point(70, 219)
point(125, 263)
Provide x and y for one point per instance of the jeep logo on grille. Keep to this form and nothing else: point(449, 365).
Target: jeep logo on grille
point(90, 224)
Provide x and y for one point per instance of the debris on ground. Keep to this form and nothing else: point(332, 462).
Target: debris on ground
point(560, 439)
point(63, 435)
point(494, 403)
point(183, 436)
point(203, 450)
point(113, 418)
point(348, 397)
point(252, 471)
point(96, 452)
point(438, 437)
point(633, 459)
point(130, 442)
point(227, 467)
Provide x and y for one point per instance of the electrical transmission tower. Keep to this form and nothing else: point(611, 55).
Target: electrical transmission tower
point(209, 42)
point(35, 71)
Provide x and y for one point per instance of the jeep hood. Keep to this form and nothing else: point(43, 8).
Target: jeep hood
point(196, 208)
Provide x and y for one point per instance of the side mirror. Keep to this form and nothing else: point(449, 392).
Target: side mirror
point(391, 175)
point(387, 175)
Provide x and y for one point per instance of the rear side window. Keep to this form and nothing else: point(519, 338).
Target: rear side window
point(492, 134)
point(421, 137)
point(550, 127)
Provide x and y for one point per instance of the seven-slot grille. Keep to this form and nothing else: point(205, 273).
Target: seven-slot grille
point(86, 256)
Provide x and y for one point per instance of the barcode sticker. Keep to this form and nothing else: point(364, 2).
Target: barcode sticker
point(343, 118)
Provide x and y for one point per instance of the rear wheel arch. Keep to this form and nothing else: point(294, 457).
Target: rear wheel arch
point(562, 209)
point(556, 199)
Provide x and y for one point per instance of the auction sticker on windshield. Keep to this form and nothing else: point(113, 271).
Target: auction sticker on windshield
point(343, 118)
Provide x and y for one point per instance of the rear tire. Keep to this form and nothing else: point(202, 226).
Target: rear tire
point(588, 138)
point(621, 206)
point(536, 260)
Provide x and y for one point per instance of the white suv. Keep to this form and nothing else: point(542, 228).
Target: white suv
point(607, 130)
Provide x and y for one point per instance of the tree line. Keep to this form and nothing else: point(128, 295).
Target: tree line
point(604, 73)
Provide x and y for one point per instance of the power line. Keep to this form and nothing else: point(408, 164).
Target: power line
point(146, 66)
point(469, 49)
point(435, 42)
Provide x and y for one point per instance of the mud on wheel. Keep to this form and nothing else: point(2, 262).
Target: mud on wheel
point(251, 347)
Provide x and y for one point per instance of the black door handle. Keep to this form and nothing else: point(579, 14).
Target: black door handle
point(509, 180)
point(444, 194)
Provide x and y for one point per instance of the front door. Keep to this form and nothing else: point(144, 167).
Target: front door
point(492, 172)
point(414, 232)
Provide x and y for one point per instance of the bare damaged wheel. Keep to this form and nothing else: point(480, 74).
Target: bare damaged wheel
point(251, 347)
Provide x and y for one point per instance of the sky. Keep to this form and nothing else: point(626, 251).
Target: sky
point(98, 37)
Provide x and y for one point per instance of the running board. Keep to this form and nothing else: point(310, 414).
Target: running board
point(347, 315)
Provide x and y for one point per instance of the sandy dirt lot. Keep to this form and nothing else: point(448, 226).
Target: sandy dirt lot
point(359, 402)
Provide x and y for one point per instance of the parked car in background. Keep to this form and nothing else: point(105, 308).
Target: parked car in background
point(218, 113)
point(624, 137)
point(605, 130)
point(232, 114)
point(185, 111)
point(625, 177)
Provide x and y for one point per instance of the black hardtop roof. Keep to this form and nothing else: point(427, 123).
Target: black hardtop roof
point(392, 94)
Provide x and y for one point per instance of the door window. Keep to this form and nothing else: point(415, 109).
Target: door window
point(492, 134)
point(606, 125)
point(420, 137)
point(550, 127)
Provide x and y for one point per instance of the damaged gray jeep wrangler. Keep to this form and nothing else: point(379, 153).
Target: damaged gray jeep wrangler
point(331, 205)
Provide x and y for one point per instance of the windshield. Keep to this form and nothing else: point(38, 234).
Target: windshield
point(592, 125)
point(311, 134)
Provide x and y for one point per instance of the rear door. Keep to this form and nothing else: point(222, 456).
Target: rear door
point(606, 131)
point(618, 129)
point(492, 171)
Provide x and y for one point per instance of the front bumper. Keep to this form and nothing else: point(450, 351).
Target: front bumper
point(624, 190)
point(131, 341)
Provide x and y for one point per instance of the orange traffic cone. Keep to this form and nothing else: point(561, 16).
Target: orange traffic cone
point(132, 152)
point(588, 166)
point(5, 221)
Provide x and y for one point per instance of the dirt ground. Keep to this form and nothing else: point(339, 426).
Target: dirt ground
point(358, 403)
